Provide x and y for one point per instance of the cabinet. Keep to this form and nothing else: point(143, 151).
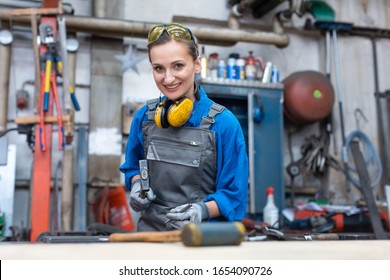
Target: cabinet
point(259, 109)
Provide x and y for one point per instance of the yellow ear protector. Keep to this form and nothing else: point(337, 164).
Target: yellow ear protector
point(173, 113)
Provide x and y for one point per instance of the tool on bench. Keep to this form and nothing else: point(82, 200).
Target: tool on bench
point(258, 230)
point(204, 234)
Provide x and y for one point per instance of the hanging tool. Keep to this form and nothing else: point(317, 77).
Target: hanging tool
point(333, 27)
point(49, 82)
point(52, 56)
point(75, 103)
point(45, 98)
point(381, 122)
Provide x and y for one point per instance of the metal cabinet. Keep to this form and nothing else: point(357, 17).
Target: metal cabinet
point(259, 109)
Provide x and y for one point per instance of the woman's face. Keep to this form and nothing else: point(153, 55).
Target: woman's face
point(174, 69)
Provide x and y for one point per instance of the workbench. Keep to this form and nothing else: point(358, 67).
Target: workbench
point(262, 250)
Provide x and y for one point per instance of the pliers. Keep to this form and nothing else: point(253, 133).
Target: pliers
point(48, 79)
point(75, 103)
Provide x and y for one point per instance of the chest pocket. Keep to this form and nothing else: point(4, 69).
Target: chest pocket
point(187, 153)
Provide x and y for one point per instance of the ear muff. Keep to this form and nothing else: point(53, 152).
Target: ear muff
point(180, 112)
point(173, 113)
point(161, 116)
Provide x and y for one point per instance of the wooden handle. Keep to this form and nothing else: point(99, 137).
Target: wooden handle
point(158, 236)
point(35, 119)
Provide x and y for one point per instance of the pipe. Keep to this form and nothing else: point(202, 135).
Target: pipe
point(381, 126)
point(251, 152)
point(123, 28)
point(20, 4)
point(67, 170)
point(37, 61)
point(67, 188)
point(5, 66)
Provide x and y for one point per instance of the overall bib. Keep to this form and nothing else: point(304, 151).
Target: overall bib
point(182, 166)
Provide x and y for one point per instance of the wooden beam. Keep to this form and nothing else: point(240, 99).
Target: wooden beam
point(36, 119)
point(34, 11)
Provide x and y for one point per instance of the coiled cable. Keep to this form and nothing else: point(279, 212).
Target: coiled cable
point(371, 159)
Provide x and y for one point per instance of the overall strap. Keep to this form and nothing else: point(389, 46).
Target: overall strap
point(208, 120)
point(152, 104)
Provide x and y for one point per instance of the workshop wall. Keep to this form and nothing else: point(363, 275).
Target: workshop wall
point(104, 83)
point(306, 51)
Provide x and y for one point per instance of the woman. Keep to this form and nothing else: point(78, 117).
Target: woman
point(197, 164)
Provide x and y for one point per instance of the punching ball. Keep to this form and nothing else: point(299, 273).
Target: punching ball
point(308, 97)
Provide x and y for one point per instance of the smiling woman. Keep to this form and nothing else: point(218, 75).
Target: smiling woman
point(197, 166)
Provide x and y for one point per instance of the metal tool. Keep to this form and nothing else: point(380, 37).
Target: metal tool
point(44, 99)
point(387, 194)
point(143, 165)
point(381, 123)
point(188, 206)
point(49, 85)
point(367, 192)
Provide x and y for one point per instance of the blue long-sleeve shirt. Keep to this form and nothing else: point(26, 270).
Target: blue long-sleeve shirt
point(232, 162)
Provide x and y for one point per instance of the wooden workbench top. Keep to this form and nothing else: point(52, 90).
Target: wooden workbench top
point(262, 250)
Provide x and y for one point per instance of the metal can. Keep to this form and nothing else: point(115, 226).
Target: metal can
point(274, 75)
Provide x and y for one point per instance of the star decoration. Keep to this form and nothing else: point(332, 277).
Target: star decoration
point(130, 59)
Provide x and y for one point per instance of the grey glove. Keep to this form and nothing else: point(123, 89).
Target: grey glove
point(136, 202)
point(187, 213)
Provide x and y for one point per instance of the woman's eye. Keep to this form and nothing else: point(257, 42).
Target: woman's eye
point(158, 69)
point(179, 66)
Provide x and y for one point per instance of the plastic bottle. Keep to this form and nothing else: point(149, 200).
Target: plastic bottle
point(240, 69)
point(204, 64)
point(270, 211)
point(213, 65)
point(1, 224)
point(254, 67)
point(250, 68)
point(267, 73)
point(231, 68)
point(221, 69)
point(274, 75)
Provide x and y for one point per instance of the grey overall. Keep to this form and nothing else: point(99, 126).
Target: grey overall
point(182, 166)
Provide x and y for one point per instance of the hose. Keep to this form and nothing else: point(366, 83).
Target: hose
point(371, 159)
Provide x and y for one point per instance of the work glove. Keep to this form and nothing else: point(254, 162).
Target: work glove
point(184, 214)
point(138, 203)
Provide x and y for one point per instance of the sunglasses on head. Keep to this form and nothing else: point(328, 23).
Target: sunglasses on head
point(175, 30)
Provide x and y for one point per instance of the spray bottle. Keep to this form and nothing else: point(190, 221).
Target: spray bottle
point(270, 211)
point(253, 71)
point(204, 64)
